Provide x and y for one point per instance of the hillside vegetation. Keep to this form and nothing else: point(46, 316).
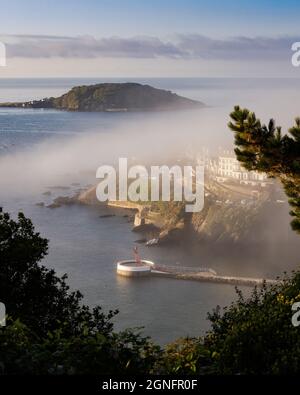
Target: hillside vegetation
point(112, 97)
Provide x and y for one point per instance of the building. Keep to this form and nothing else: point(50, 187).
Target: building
point(228, 167)
point(225, 167)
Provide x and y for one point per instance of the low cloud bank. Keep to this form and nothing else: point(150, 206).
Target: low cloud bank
point(187, 46)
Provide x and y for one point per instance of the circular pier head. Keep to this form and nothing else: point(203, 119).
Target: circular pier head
point(134, 269)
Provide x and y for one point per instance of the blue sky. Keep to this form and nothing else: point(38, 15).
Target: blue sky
point(156, 17)
point(162, 23)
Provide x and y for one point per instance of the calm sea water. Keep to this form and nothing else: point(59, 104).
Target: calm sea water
point(86, 246)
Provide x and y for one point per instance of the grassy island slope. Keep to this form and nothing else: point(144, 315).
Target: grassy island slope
point(112, 97)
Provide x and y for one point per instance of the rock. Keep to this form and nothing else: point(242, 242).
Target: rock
point(153, 242)
point(61, 187)
point(145, 228)
point(89, 196)
point(113, 97)
point(170, 236)
point(40, 204)
point(65, 200)
point(140, 241)
point(54, 205)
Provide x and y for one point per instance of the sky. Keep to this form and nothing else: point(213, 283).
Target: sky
point(157, 38)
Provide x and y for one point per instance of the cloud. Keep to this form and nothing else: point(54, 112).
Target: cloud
point(188, 46)
point(89, 47)
point(236, 48)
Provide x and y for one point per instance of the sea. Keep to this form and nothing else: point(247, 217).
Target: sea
point(47, 153)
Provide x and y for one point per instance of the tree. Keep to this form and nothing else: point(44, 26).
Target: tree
point(264, 148)
point(49, 330)
point(33, 293)
point(23, 352)
point(256, 335)
point(252, 336)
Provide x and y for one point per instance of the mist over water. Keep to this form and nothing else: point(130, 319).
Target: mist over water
point(52, 144)
point(148, 138)
point(40, 149)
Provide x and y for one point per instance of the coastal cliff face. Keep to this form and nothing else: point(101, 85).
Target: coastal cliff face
point(215, 223)
point(112, 97)
point(232, 214)
point(221, 221)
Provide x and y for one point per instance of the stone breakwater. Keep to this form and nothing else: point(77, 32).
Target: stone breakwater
point(207, 275)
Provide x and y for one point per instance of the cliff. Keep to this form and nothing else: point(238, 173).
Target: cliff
point(112, 97)
point(229, 216)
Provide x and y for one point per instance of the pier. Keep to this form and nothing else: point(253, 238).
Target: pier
point(148, 268)
point(206, 275)
point(232, 280)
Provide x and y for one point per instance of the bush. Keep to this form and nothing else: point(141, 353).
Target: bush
point(35, 294)
point(251, 336)
point(185, 356)
point(22, 352)
point(48, 330)
point(256, 336)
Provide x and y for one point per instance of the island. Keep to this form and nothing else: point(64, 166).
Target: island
point(112, 97)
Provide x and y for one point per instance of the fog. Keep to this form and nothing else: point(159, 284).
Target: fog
point(72, 152)
point(148, 139)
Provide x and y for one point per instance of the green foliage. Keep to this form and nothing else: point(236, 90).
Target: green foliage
point(185, 356)
point(49, 330)
point(172, 211)
point(252, 336)
point(116, 96)
point(264, 148)
point(23, 352)
point(32, 292)
point(256, 336)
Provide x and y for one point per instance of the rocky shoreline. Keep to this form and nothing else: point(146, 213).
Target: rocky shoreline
point(223, 220)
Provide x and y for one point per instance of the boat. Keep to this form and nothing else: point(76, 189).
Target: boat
point(152, 242)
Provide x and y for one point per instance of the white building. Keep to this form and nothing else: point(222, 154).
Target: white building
point(225, 167)
point(228, 167)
